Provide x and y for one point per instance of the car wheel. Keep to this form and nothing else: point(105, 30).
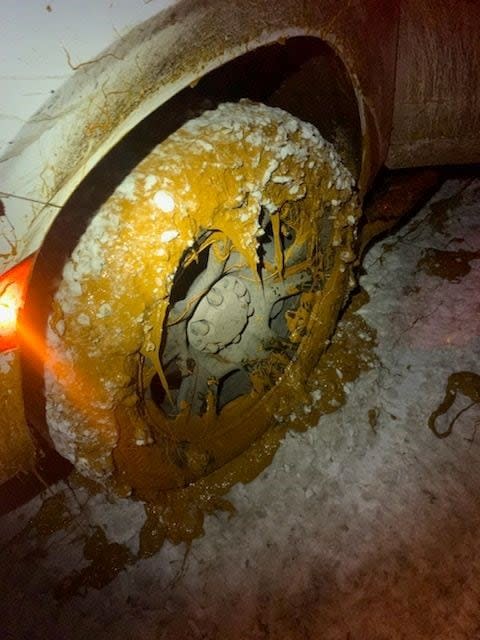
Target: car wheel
point(199, 298)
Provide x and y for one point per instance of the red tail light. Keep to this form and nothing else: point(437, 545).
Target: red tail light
point(13, 285)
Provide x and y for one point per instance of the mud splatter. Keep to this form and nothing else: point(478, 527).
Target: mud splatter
point(449, 265)
point(465, 383)
point(54, 515)
point(373, 418)
point(395, 197)
point(441, 209)
point(107, 560)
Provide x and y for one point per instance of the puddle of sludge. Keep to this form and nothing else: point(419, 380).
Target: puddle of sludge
point(179, 515)
point(460, 383)
point(449, 265)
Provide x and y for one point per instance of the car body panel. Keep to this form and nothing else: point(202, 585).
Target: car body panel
point(436, 117)
point(111, 93)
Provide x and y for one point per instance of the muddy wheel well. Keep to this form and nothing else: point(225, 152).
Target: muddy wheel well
point(302, 75)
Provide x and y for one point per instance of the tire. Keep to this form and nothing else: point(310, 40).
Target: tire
point(199, 298)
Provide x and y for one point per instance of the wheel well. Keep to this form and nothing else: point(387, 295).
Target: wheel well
point(302, 75)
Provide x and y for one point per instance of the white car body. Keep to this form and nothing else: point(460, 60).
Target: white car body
point(42, 45)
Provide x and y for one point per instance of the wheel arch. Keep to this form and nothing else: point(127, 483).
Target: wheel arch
point(150, 80)
point(109, 95)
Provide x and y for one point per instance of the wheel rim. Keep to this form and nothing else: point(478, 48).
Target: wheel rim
point(200, 295)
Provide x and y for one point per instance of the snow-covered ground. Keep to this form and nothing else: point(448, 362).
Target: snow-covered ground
point(364, 527)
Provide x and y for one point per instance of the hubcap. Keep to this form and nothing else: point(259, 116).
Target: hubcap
point(229, 321)
point(221, 316)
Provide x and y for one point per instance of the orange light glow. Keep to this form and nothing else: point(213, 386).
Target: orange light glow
point(12, 290)
point(10, 301)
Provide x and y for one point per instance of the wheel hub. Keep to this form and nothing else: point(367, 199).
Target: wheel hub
point(227, 323)
point(221, 316)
